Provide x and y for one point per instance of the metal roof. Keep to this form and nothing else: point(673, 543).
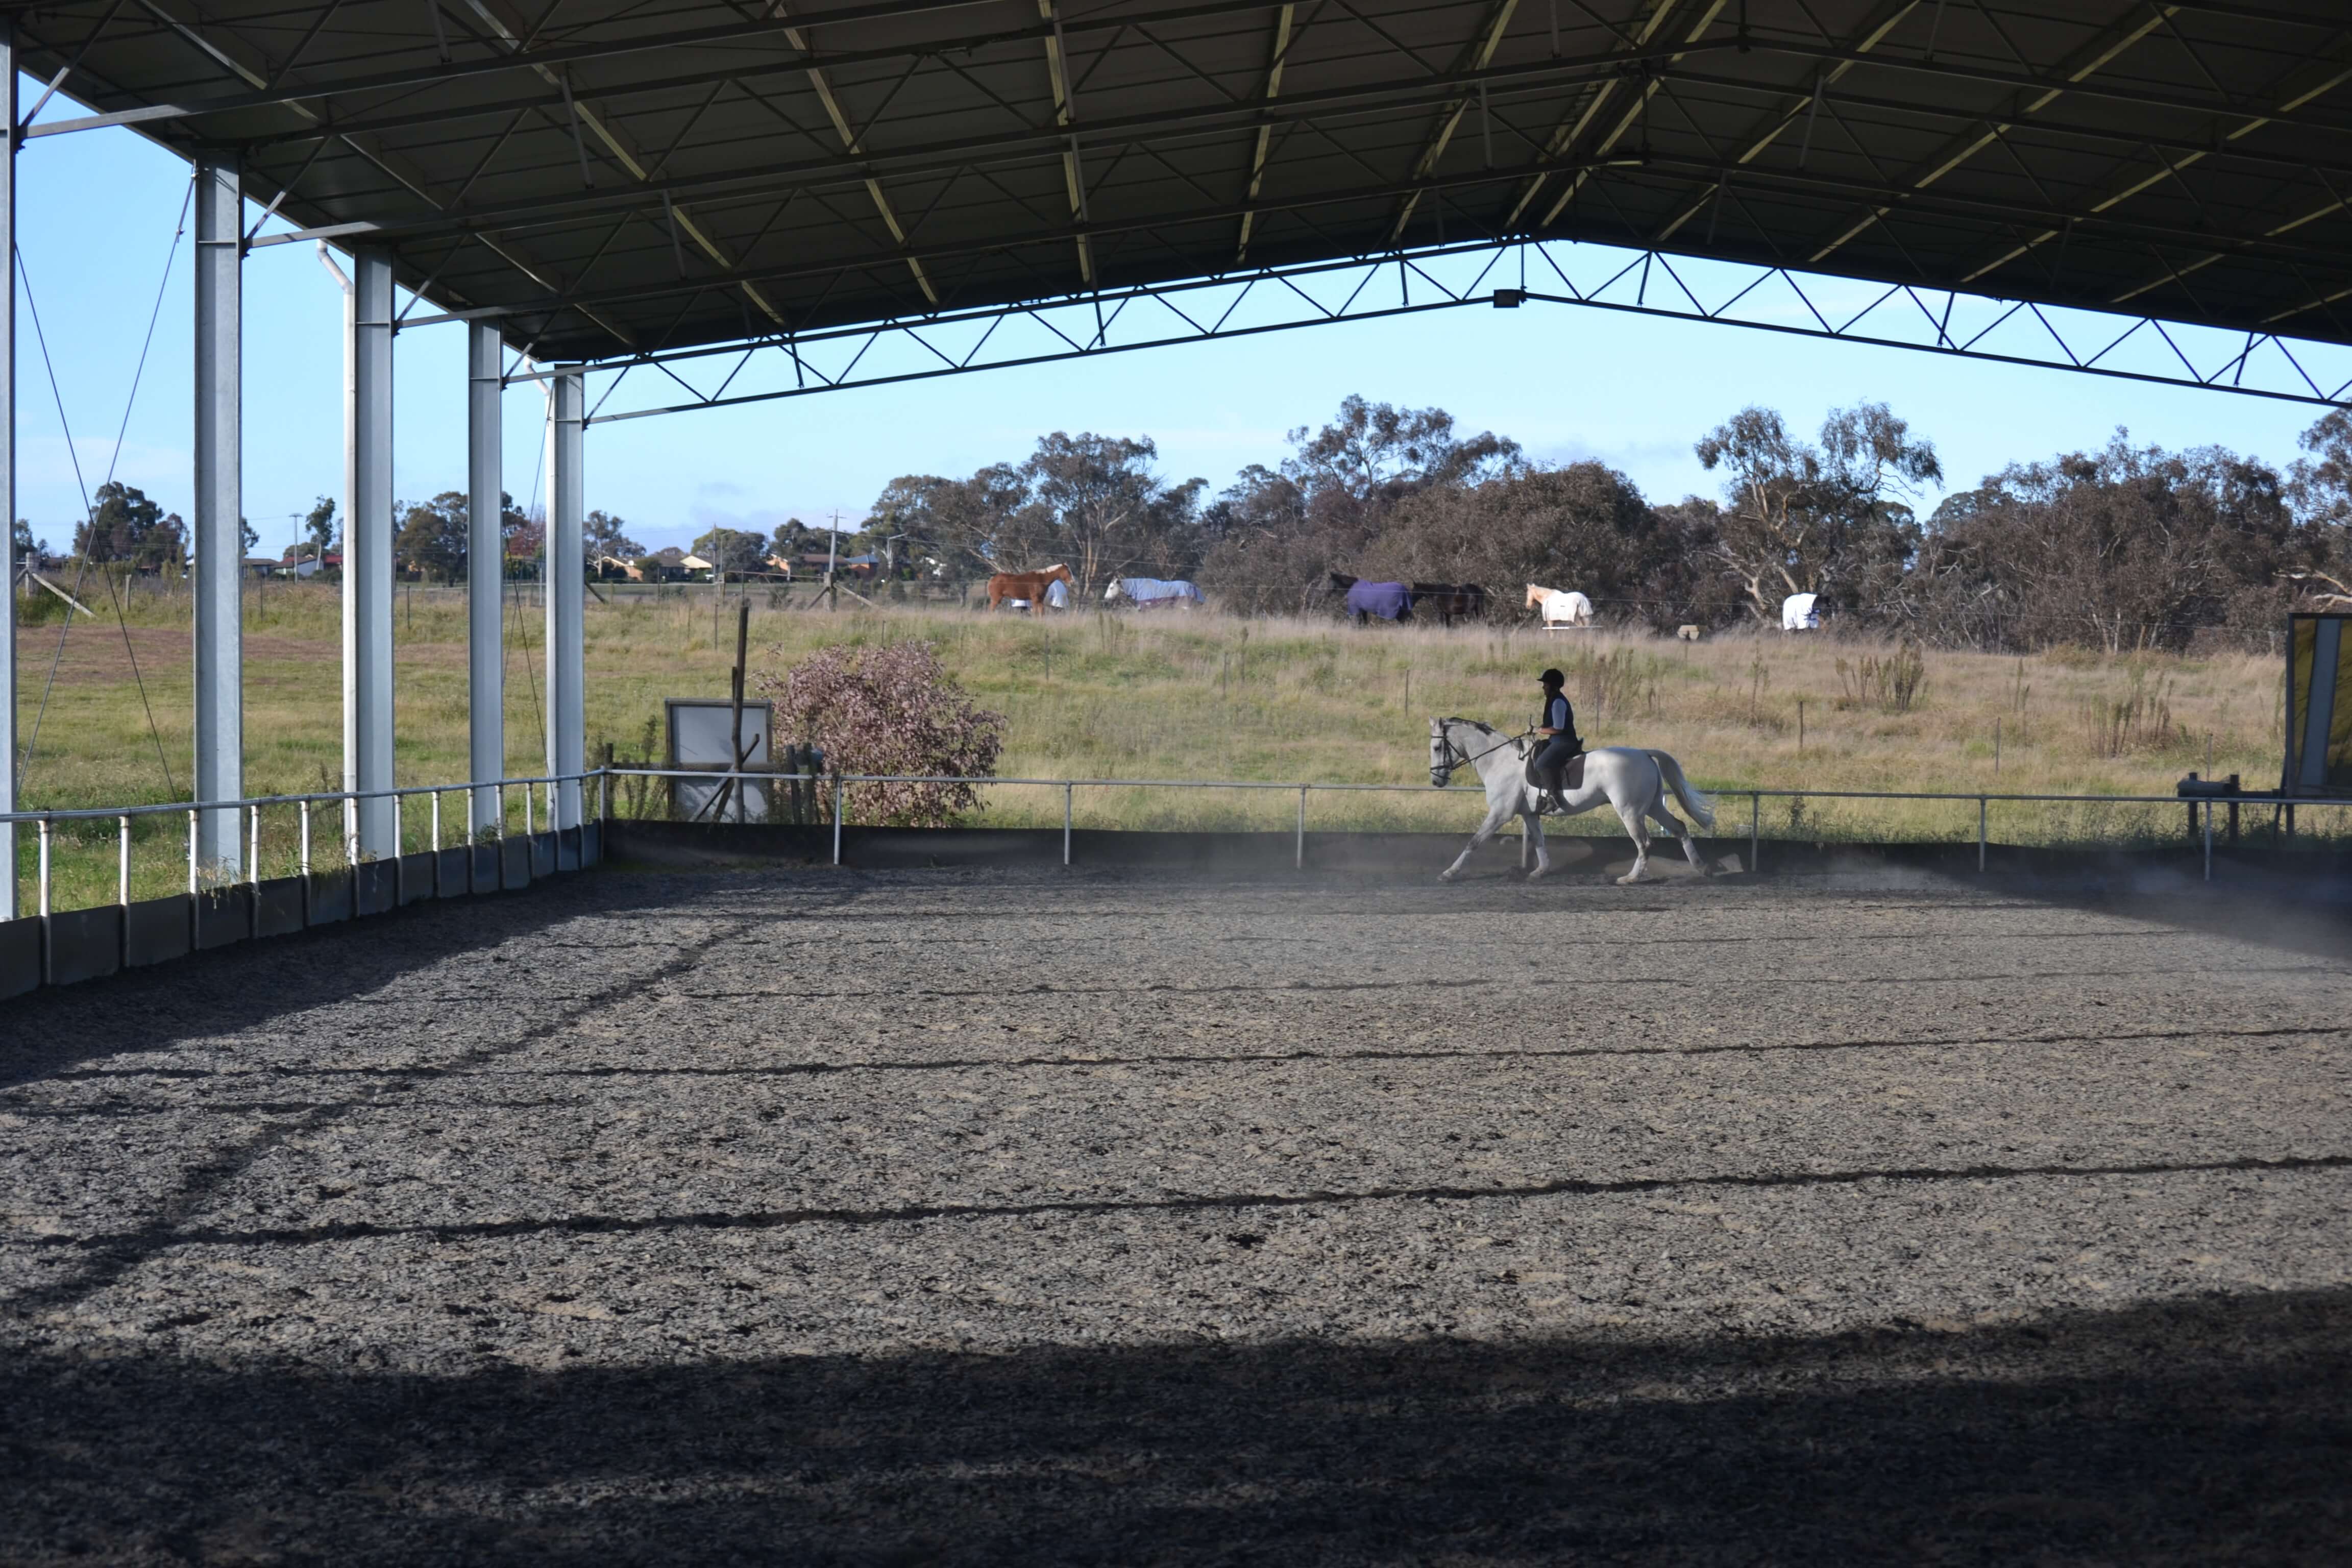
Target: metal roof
point(609, 177)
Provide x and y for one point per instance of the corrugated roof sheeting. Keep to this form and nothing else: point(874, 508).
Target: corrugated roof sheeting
point(609, 177)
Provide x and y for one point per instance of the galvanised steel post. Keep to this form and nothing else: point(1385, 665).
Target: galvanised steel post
point(7, 465)
point(367, 555)
point(485, 563)
point(216, 554)
point(566, 596)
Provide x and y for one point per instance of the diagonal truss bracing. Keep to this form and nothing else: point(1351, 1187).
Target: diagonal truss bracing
point(1516, 275)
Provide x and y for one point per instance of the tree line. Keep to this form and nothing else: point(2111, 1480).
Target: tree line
point(2122, 547)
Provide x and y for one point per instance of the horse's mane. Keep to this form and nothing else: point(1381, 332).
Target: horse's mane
point(1478, 724)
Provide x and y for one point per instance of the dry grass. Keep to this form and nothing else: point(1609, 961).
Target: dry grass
point(1200, 697)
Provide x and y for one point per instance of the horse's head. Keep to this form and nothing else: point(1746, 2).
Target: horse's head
point(1111, 593)
point(1339, 582)
point(1058, 571)
point(1534, 596)
point(1445, 756)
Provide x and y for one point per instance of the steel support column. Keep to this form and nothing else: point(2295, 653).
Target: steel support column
point(565, 568)
point(216, 552)
point(367, 555)
point(486, 562)
point(7, 465)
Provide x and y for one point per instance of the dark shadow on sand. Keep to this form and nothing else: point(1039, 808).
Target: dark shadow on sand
point(2210, 1429)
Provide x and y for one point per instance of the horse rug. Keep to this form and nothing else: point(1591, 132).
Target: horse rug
point(1390, 601)
point(1149, 591)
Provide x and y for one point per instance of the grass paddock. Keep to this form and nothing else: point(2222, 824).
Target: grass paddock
point(1167, 696)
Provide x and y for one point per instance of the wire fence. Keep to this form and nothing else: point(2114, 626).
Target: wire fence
point(2038, 820)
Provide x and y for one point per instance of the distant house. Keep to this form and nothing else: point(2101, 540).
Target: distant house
point(847, 565)
point(692, 565)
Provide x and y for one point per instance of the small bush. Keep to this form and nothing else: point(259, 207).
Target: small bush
point(890, 709)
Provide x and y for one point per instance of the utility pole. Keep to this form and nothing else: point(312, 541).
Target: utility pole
point(831, 549)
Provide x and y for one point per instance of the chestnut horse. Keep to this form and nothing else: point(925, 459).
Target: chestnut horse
point(1029, 586)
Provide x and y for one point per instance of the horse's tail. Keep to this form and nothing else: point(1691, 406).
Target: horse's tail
point(1701, 809)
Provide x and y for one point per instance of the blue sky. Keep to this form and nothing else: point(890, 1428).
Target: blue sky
point(1634, 392)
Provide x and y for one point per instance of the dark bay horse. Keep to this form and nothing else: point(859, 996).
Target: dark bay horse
point(1447, 601)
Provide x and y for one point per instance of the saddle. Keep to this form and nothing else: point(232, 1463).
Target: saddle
point(1571, 777)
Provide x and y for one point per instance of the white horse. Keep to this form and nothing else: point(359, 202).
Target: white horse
point(1561, 608)
point(1630, 778)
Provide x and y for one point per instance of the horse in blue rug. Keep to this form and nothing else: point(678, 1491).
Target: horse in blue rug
point(1388, 601)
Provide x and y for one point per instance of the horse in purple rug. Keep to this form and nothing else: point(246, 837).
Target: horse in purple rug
point(1388, 601)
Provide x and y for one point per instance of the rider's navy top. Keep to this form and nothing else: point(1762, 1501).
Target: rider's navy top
point(1558, 715)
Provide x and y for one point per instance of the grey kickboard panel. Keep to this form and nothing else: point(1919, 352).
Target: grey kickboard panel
point(20, 956)
point(85, 944)
point(155, 931)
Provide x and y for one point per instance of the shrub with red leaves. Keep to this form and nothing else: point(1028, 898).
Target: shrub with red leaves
point(889, 710)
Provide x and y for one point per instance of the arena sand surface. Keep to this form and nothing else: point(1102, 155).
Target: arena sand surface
point(995, 1217)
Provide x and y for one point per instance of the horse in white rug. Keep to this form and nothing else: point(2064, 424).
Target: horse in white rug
point(1634, 780)
point(1561, 608)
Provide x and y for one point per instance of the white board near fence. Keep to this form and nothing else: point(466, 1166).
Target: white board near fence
point(698, 739)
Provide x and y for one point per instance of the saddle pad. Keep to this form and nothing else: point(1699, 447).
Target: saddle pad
point(1572, 776)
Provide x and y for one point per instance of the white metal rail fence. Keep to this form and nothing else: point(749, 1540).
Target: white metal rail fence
point(223, 901)
point(2200, 808)
point(249, 812)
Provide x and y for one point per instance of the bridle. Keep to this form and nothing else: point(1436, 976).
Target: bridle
point(1451, 756)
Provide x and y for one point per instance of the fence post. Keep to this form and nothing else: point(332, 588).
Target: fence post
point(194, 883)
point(2209, 840)
point(44, 864)
point(1067, 790)
point(122, 863)
point(1981, 833)
point(1301, 857)
point(436, 830)
point(1755, 830)
point(836, 819)
point(306, 861)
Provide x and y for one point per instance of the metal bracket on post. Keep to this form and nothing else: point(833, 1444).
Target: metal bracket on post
point(1755, 830)
point(836, 819)
point(1299, 858)
point(1981, 833)
point(1066, 791)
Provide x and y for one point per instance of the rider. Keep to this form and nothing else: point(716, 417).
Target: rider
point(1557, 726)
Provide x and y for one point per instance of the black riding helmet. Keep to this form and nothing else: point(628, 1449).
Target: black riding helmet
point(1553, 680)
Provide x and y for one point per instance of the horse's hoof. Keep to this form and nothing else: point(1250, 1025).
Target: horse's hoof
point(1632, 880)
point(1446, 876)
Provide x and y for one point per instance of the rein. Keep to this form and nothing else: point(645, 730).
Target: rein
point(1455, 757)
